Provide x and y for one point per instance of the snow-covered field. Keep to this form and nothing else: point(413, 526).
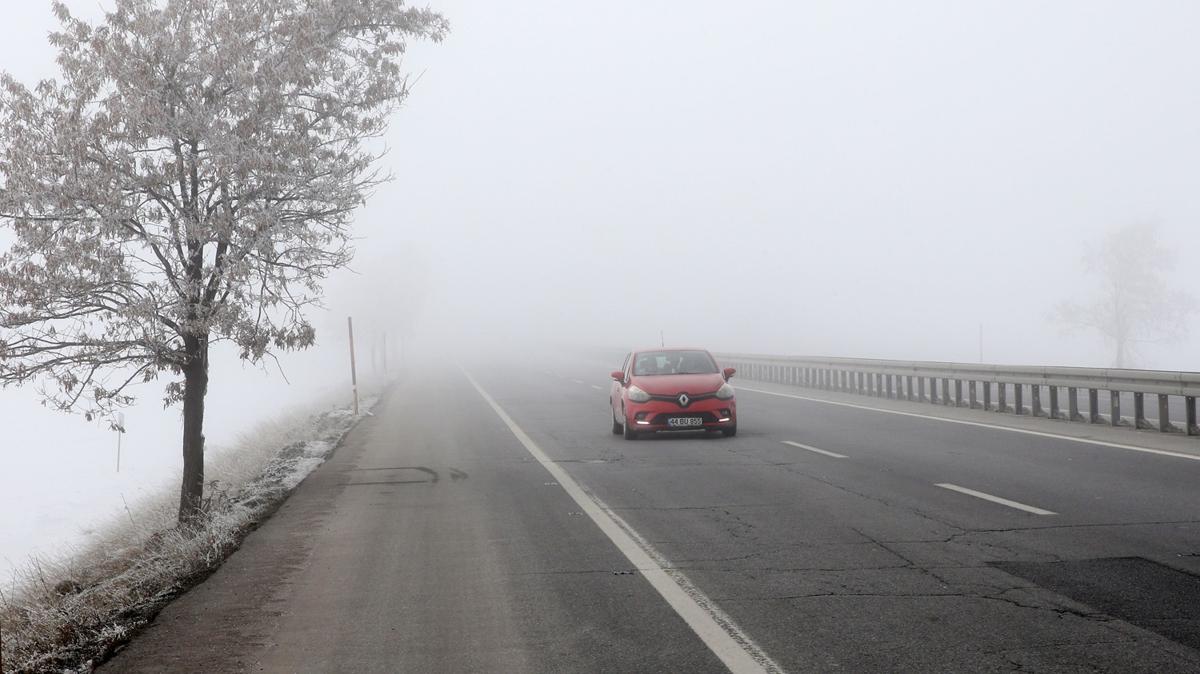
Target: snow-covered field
point(59, 482)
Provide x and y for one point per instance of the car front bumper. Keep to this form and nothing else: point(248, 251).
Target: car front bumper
point(655, 415)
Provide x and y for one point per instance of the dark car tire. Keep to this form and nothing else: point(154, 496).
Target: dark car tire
point(729, 432)
point(617, 428)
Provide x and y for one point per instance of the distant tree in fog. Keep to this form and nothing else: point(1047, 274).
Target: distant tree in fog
point(190, 179)
point(1132, 297)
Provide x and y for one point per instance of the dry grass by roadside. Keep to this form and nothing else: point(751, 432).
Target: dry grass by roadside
point(70, 613)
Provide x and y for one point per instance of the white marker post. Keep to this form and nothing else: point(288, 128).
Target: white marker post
point(353, 372)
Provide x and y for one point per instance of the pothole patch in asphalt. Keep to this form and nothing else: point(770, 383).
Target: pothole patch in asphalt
point(1139, 591)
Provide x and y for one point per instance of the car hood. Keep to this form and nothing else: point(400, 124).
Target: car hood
point(670, 384)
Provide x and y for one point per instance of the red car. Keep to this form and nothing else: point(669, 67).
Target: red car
point(672, 390)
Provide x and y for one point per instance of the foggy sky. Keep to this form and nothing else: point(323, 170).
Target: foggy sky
point(820, 178)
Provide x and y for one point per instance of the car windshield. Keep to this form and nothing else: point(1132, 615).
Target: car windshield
point(674, 362)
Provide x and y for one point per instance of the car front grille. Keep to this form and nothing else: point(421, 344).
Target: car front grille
point(691, 398)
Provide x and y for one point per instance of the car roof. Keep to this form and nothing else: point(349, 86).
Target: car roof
point(670, 348)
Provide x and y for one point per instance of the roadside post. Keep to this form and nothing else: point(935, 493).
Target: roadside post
point(353, 370)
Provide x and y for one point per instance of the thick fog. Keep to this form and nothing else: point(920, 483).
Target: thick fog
point(855, 179)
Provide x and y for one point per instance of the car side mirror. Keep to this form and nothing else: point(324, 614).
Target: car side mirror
point(617, 375)
point(729, 372)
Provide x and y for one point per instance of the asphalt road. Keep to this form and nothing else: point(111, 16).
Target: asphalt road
point(437, 540)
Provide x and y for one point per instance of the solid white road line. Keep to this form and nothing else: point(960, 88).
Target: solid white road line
point(814, 449)
point(1056, 436)
point(598, 388)
point(995, 499)
point(577, 381)
point(715, 629)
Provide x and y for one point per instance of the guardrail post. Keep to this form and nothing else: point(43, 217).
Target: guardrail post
point(1054, 413)
point(1073, 404)
point(1093, 406)
point(1114, 407)
point(945, 390)
point(958, 393)
point(987, 395)
point(920, 388)
point(908, 393)
point(1189, 405)
point(1001, 396)
point(887, 386)
point(1139, 411)
point(1018, 402)
point(1035, 400)
point(972, 395)
point(933, 390)
point(1164, 414)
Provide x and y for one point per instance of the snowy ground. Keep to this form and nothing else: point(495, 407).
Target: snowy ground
point(59, 482)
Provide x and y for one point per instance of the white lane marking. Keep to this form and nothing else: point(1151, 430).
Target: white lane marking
point(598, 388)
point(1056, 436)
point(995, 499)
point(577, 381)
point(814, 449)
point(717, 630)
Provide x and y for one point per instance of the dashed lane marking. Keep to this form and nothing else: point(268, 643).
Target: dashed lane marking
point(995, 499)
point(814, 449)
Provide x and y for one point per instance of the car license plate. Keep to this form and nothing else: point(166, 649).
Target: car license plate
point(680, 422)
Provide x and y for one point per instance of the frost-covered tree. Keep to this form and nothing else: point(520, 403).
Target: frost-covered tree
point(1132, 298)
point(189, 178)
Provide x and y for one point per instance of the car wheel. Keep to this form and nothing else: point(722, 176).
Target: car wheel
point(617, 427)
point(729, 432)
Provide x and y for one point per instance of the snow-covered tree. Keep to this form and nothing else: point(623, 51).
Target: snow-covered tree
point(1132, 298)
point(189, 178)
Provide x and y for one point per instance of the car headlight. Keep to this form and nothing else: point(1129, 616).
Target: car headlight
point(725, 392)
point(637, 395)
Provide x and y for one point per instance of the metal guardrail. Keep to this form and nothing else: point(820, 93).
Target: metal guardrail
point(943, 383)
